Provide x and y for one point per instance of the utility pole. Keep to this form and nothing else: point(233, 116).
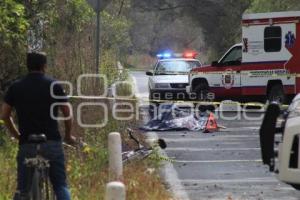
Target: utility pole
point(95, 4)
point(98, 38)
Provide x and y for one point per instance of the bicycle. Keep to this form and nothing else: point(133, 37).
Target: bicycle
point(38, 168)
point(141, 152)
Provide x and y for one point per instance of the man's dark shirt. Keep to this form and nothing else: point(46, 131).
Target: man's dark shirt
point(32, 99)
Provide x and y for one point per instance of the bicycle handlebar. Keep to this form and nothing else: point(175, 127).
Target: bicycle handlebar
point(161, 143)
point(130, 133)
point(80, 143)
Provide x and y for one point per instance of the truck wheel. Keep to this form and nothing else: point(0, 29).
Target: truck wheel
point(150, 95)
point(153, 106)
point(276, 93)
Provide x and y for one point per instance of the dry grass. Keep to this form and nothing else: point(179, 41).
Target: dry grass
point(8, 151)
point(144, 183)
point(87, 170)
point(141, 183)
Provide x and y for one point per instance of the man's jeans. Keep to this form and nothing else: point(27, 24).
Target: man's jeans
point(52, 151)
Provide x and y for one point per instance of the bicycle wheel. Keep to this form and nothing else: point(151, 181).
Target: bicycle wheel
point(36, 191)
point(40, 189)
point(136, 155)
point(127, 155)
point(46, 187)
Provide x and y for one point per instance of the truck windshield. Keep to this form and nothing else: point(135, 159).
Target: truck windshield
point(175, 67)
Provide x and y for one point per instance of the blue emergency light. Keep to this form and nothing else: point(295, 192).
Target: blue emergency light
point(165, 55)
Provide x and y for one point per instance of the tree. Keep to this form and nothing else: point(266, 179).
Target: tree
point(204, 25)
point(13, 26)
point(273, 5)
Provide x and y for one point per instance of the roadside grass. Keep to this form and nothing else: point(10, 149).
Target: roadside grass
point(87, 168)
point(141, 183)
point(8, 169)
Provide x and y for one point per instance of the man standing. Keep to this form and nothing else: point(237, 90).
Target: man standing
point(32, 99)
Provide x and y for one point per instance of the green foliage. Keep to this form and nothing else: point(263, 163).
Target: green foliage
point(273, 5)
point(228, 31)
point(115, 31)
point(13, 26)
point(124, 89)
point(8, 152)
point(217, 23)
point(115, 37)
point(71, 16)
point(68, 33)
point(108, 66)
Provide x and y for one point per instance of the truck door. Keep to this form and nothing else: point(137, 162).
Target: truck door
point(230, 76)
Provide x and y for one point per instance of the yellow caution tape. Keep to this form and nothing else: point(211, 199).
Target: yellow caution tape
point(208, 103)
point(102, 98)
point(253, 73)
point(158, 157)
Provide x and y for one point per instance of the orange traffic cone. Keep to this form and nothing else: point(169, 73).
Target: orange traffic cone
point(211, 125)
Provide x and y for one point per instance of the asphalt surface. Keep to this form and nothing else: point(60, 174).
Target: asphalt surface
point(224, 165)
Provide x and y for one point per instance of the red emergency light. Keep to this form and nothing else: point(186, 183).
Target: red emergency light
point(190, 54)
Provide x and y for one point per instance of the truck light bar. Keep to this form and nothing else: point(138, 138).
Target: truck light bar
point(187, 54)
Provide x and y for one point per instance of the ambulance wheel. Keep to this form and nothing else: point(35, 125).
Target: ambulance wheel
point(296, 186)
point(201, 91)
point(276, 93)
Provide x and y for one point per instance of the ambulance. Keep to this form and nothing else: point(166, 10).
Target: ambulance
point(265, 66)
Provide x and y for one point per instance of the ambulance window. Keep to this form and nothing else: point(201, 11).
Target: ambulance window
point(234, 57)
point(273, 38)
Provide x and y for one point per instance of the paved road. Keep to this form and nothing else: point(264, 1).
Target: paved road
point(224, 165)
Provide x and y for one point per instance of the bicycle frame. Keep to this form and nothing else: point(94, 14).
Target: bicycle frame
point(130, 133)
point(141, 152)
point(39, 167)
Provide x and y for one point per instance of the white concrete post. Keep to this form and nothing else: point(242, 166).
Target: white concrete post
point(115, 191)
point(120, 68)
point(115, 157)
point(111, 93)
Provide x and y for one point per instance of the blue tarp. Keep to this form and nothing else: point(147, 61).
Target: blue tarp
point(173, 118)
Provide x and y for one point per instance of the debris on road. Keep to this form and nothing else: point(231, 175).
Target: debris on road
point(174, 118)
